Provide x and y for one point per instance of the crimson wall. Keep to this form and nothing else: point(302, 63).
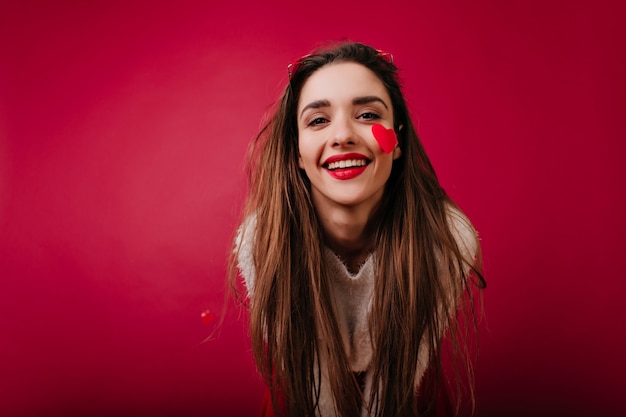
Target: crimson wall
point(123, 129)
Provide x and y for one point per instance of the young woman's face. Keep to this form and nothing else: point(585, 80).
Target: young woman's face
point(338, 105)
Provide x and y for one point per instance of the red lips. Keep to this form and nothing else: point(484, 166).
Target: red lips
point(344, 157)
point(346, 173)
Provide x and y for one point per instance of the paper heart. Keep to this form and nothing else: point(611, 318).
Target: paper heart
point(386, 138)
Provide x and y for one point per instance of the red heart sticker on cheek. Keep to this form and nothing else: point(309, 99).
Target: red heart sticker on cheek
point(386, 138)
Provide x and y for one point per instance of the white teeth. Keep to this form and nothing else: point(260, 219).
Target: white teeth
point(347, 163)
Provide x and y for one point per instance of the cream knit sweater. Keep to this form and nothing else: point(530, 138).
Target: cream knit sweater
point(353, 298)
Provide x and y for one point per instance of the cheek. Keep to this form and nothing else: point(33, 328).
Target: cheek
point(309, 151)
point(301, 153)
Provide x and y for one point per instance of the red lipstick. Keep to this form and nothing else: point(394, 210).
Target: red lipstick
point(346, 166)
point(345, 157)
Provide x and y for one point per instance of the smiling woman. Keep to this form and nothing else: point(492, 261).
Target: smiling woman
point(356, 262)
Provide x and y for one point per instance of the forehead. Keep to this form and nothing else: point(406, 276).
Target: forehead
point(345, 80)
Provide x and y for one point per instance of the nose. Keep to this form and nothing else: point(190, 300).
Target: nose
point(343, 132)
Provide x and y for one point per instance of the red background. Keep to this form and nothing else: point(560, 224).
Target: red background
point(123, 130)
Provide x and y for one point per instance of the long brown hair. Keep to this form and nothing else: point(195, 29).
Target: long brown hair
point(420, 263)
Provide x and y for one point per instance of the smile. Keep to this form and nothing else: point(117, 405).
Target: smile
point(346, 164)
point(345, 160)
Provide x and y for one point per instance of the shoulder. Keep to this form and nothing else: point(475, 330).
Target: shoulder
point(244, 250)
point(464, 233)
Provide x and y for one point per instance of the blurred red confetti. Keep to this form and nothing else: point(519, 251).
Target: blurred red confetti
point(207, 316)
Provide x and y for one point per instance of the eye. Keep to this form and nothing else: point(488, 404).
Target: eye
point(317, 121)
point(369, 116)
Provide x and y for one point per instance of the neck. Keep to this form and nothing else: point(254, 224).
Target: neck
point(348, 232)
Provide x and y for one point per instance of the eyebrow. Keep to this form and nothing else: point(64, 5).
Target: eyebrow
point(369, 99)
point(318, 104)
